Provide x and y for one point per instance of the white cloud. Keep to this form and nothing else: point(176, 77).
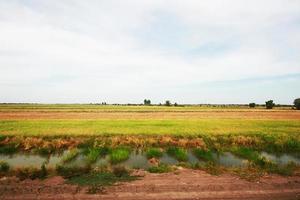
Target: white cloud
point(73, 51)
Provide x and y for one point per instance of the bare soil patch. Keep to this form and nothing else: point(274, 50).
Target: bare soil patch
point(182, 184)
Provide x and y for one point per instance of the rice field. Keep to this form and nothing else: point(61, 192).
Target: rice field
point(95, 120)
point(83, 142)
point(215, 125)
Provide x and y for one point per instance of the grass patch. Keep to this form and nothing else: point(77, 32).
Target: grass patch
point(161, 168)
point(100, 179)
point(246, 153)
point(71, 155)
point(210, 167)
point(32, 173)
point(92, 154)
point(249, 173)
point(203, 154)
point(71, 171)
point(154, 153)
point(4, 166)
point(286, 170)
point(119, 155)
point(263, 163)
point(178, 153)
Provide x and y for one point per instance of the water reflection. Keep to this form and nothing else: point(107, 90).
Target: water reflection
point(137, 159)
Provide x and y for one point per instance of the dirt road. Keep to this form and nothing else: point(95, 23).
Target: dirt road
point(185, 184)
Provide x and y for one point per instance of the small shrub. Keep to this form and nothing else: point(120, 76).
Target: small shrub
point(154, 153)
point(118, 155)
point(178, 153)
point(161, 168)
point(4, 166)
point(203, 154)
point(71, 171)
point(31, 173)
point(119, 171)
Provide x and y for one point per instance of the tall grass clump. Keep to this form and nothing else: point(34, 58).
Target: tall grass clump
point(92, 154)
point(71, 155)
point(154, 153)
point(246, 153)
point(203, 154)
point(118, 155)
point(254, 157)
point(178, 153)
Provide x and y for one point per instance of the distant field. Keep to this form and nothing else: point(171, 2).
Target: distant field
point(124, 108)
point(186, 127)
point(41, 120)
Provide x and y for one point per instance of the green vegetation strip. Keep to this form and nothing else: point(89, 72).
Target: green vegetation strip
point(205, 155)
point(178, 153)
point(154, 153)
point(118, 155)
point(148, 127)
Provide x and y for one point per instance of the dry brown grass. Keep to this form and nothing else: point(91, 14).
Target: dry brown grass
point(217, 114)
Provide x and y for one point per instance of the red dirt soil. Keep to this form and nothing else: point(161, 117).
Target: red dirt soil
point(184, 184)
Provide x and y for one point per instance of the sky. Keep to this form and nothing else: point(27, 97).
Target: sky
point(123, 51)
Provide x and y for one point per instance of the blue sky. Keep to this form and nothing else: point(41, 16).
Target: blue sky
point(187, 51)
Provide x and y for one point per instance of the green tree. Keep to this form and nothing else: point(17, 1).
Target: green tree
point(168, 103)
point(147, 102)
point(297, 103)
point(270, 104)
point(252, 105)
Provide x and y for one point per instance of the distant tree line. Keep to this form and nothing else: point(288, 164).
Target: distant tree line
point(268, 104)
